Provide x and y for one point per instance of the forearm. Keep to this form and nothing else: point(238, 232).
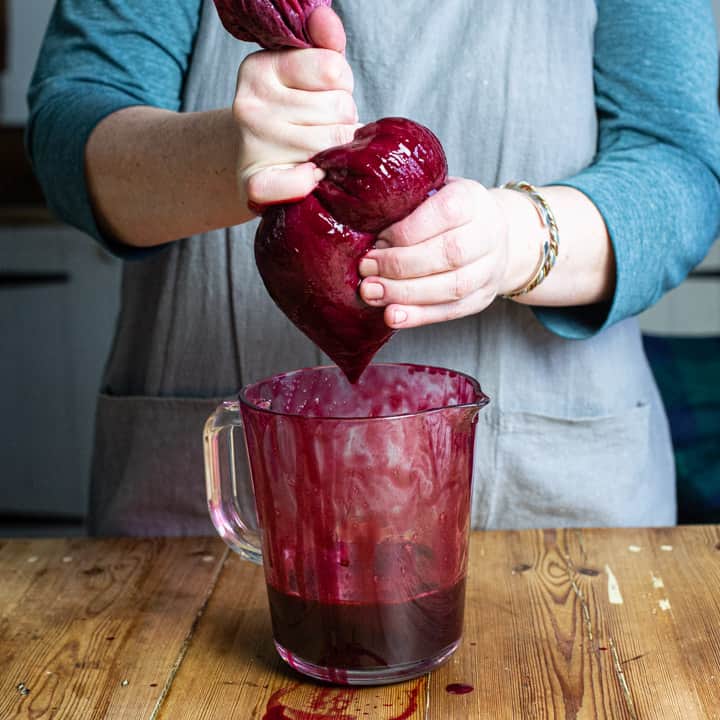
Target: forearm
point(584, 272)
point(155, 176)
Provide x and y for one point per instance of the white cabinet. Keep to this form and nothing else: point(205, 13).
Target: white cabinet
point(58, 305)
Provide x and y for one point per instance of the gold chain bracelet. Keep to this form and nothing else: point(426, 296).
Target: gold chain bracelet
point(550, 247)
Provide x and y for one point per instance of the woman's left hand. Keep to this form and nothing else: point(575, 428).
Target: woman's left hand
point(446, 260)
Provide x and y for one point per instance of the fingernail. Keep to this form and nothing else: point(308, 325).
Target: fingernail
point(373, 291)
point(318, 174)
point(399, 316)
point(382, 244)
point(368, 267)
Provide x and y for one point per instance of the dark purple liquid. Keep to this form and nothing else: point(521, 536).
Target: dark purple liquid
point(459, 689)
point(368, 635)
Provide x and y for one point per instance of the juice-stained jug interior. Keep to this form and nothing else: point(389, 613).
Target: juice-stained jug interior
point(363, 499)
point(383, 390)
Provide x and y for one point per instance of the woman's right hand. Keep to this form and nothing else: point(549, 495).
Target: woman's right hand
point(290, 105)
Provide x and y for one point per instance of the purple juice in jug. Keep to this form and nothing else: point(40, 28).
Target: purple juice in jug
point(363, 498)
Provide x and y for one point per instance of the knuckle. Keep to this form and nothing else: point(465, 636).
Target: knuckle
point(341, 134)
point(330, 67)
point(401, 233)
point(337, 72)
point(484, 278)
point(403, 294)
point(346, 108)
point(282, 65)
point(251, 64)
point(455, 311)
point(347, 79)
point(453, 253)
point(258, 70)
point(393, 265)
point(461, 286)
point(247, 109)
point(452, 203)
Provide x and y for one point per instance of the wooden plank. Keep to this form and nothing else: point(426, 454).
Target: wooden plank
point(96, 629)
point(546, 637)
point(667, 630)
point(231, 669)
point(527, 651)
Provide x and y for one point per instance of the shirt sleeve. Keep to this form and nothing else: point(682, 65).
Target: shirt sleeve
point(98, 57)
point(656, 175)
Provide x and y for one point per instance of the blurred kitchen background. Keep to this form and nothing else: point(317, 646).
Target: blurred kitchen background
point(59, 299)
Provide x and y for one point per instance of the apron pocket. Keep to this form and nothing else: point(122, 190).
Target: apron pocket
point(148, 471)
point(560, 472)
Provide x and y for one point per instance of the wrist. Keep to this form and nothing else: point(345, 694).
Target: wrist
point(524, 237)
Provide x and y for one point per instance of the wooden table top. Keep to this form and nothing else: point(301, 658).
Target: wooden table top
point(620, 624)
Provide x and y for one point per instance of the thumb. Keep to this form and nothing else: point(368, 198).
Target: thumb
point(280, 184)
point(326, 29)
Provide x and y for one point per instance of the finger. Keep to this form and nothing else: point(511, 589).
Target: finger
point(409, 316)
point(430, 290)
point(313, 69)
point(313, 139)
point(282, 184)
point(326, 29)
point(446, 252)
point(450, 207)
point(331, 107)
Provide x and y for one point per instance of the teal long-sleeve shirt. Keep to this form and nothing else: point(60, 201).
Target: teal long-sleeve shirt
point(655, 177)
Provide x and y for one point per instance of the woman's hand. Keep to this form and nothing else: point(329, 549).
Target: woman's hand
point(447, 259)
point(290, 105)
point(155, 176)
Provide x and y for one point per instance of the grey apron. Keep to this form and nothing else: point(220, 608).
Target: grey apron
point(575, 434)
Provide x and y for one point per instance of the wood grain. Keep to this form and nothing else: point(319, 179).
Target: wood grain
point(531, 635)
point(543, 640)
point(95, 629)
point(666, 630)
point(546, 637)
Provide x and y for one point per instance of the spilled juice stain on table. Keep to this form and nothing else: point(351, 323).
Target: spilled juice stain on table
point(458, 688)
point(292, 703)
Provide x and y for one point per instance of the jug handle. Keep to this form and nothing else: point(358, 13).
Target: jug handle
point(222, 482)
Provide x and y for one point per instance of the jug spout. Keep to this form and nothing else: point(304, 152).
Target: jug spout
point(467, 412)
point(478, 401)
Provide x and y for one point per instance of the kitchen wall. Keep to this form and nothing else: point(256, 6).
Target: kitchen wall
point(27, 20)
point(58, 304)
